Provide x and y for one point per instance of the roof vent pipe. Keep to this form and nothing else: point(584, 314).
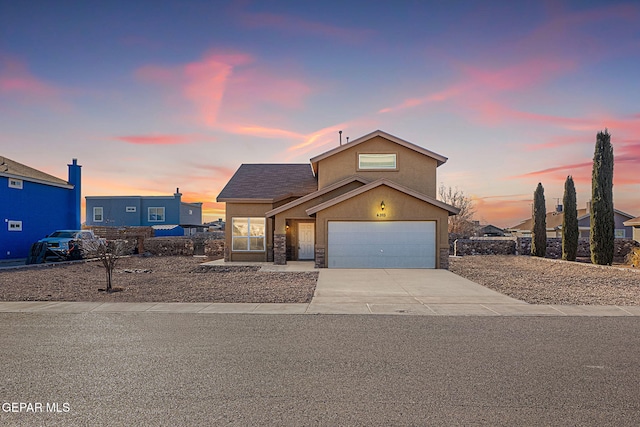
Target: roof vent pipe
point(340, 132)
point(347, 140)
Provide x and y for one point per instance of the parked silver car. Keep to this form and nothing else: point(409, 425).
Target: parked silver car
point(69, 244)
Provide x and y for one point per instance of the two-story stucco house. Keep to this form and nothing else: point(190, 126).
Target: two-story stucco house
point(370, 203)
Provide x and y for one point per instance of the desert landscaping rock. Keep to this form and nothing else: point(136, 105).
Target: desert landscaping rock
point(544, 281)
point(156, 279)
point(185, 279)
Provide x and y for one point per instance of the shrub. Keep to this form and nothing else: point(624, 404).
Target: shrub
point(633, 258)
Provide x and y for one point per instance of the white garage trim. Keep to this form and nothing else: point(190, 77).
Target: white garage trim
point(381, 244)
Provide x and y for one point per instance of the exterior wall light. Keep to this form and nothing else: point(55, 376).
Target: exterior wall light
point(382, 205)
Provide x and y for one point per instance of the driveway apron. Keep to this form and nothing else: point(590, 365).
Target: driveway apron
point(397, 291)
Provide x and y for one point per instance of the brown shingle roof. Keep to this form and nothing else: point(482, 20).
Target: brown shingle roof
point(11, 167)
point(269, 182)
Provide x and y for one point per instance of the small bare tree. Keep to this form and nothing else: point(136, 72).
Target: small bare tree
point(461, 224)
point(109, 252)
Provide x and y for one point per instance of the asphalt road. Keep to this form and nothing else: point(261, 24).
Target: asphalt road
point(217, 369)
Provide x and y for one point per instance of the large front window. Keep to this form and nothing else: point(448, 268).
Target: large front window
point(156, 214)
point(376, 161)
point(248, 234)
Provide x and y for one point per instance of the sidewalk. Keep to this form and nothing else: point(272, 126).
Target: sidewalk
point(464, 309)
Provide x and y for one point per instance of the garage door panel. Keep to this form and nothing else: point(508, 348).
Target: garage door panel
point(389, 244)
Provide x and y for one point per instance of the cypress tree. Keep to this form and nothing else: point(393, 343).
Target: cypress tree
point(602, 220)
point(539, 230)
point(569, 221)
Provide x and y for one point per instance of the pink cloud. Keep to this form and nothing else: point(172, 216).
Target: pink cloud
point(297, 25)
point(155, 139)
point(17, 81)
point(478, 86)
point(231, 83)
point(322, 137)
point(561, 141)
point(260, 131)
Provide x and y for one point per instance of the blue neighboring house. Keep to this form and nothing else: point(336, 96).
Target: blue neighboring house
point(168, 215)
point(33, 204)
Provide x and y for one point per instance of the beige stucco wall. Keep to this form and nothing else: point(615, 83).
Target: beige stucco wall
point(398, 207)
point(299, 212)
point(248, 210)
point(414, 170)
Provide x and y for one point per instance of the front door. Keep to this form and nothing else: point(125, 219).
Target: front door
point(306, 240)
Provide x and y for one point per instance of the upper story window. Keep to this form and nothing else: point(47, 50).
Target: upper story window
point(98, 214)
point(376, 161)
point(156, 214)
point(15, 183)
point(14, 225)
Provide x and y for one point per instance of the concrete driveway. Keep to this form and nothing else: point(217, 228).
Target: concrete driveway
point(411, 291)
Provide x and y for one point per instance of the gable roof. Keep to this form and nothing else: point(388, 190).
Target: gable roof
point(553, 220)
point(314, 161)
point(13, 169)
point(632, 222)
point(315, 194)
point(377, 183)
point(615, 211)
point(269, 182)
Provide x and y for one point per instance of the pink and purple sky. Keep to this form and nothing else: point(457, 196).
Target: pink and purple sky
point(150, 96)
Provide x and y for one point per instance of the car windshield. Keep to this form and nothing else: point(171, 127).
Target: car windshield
point(64, 234)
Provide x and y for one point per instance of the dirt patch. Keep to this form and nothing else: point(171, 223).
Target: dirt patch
point(156, 279)
point(543, 281)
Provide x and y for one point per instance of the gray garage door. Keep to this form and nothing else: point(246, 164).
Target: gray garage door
point(384, 244)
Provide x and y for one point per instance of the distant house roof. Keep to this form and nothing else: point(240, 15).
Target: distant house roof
point(440, 159)
point(553, 220)
point(586, 214)
point(13, 169)
point(635, 222)
point(269, 182)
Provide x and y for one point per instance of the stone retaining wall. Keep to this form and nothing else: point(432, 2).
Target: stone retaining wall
point(522, 246)
point(212, 247)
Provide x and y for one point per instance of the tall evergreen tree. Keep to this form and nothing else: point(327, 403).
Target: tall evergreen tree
point(539, 230)
point(602, 220)
point(569, 221)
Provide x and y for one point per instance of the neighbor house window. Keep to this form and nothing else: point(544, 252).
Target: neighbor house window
point(248, 234)
point(620, 233)
point(156, 214)
point(98, 214)
point(130, 209)
point(15, 183)
point(376, 161)
point(14, 225)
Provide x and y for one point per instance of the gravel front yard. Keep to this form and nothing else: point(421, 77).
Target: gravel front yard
point(543, 281)
point(183, 279)
point(156, 279)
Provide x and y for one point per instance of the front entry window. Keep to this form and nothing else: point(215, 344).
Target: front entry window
point(248, 234)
